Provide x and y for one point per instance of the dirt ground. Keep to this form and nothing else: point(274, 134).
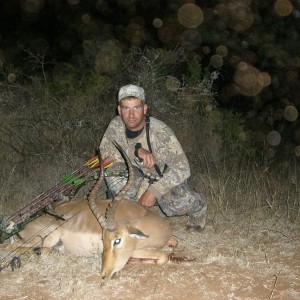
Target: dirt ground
point(236, 257)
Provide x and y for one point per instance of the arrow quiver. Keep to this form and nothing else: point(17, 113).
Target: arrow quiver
point(68, 186)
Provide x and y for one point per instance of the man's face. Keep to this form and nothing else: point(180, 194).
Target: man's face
point(132, 112)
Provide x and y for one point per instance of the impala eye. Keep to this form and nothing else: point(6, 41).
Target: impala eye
point(117, 242)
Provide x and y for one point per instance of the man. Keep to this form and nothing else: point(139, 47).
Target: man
point(162, 166)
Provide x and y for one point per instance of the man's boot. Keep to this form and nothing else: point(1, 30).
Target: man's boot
point(197, 220)
point(196, 224)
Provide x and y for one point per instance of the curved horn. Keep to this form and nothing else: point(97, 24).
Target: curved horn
point(131, 174)
point(92, 197)
point(111, 223)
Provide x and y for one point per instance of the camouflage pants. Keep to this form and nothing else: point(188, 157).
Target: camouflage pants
point(179, 201)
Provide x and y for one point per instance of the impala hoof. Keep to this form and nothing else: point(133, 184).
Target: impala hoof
point(37, 250)
point(15, 263)
point(172, 242)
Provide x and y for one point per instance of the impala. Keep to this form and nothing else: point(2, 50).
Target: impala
point(119, 229)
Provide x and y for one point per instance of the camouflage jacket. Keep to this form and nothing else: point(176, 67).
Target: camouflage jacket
point(165, 148)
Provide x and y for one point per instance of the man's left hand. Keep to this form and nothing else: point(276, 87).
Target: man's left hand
point(147, 199)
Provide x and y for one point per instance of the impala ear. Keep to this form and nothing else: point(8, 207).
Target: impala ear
point(136, 233)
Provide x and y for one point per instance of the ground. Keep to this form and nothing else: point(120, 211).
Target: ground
point(236, 257)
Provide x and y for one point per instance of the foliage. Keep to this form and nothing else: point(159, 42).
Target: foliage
point(247, 187)
point(49, 127)
point(235, 141)
point(196, 74)
point(150, 68)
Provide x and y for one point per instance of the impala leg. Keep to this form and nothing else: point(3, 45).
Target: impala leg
point(149, 256)
point(20, 248)
point(172, 242)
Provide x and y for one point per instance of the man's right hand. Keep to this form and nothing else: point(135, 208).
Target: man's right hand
point(147, 158)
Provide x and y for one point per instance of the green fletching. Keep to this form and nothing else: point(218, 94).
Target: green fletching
point(79, 182)
point(68, 179)
point(75, 181)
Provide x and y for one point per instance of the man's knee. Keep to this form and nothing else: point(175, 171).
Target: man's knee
point(184, 203)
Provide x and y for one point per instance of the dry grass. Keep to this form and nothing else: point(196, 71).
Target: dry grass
point(249, 250)
point(235, 258)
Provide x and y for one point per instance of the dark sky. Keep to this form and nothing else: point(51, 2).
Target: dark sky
point(254, 44)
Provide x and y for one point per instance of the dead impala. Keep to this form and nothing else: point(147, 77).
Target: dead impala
point(119, 229)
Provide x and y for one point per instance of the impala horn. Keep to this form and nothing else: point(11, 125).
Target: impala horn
point(110, 213)
point(92, 197)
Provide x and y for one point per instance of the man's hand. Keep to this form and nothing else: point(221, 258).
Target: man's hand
point(147, 199)
point(147, 158)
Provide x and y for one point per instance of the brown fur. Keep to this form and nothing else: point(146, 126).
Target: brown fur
point(141, 231)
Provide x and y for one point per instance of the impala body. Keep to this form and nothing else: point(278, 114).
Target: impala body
point(119, 229)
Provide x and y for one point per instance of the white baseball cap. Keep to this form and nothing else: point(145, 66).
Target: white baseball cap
point(131, 90)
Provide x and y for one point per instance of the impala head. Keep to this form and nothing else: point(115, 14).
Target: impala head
point(118, 246)
point(119, 238)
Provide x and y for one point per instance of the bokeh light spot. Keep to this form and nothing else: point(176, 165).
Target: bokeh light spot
point(239, 16)
point(296, 13)
point(172, 84)
point(248, 79)
point(134, 33)
point(86, 18)
point(290, 113)
point(73, 2)
point(220, 9)
point(264, 78)
point(297, 151)
point(157, 23)
point(222, 51)
point(32, 6)
point(109, 57)
point(216, 61)
point(190, 15)
point(283, 7)
point(206, 50)
point(292, 75)
point(273, 138)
